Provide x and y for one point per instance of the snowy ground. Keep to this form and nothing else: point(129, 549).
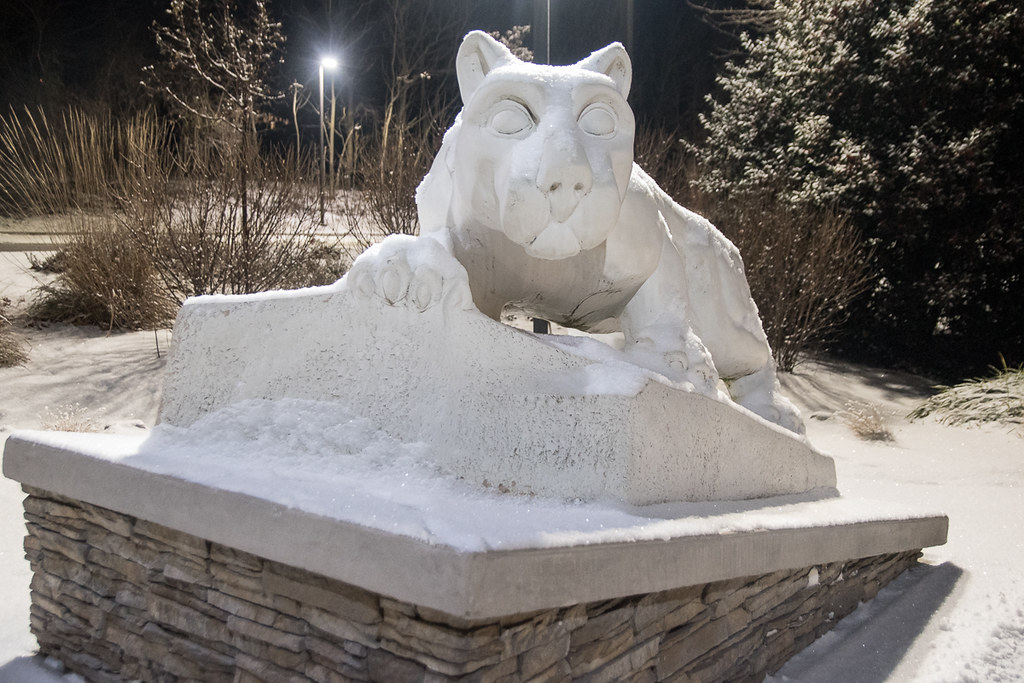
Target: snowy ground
point(959, 618)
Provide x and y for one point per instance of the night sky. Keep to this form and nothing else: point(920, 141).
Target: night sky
point(57, 51)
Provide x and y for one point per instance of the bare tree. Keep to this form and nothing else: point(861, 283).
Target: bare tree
point(216, 57)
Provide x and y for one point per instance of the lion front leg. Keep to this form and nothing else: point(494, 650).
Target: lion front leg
point(658, 332)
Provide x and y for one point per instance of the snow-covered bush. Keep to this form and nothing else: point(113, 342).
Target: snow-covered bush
point(907, 115)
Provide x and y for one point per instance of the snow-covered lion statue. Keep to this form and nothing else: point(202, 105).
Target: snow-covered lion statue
point(534, 191)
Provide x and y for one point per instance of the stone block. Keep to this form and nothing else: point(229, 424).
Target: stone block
point(242, 608)
point(776, 594)
point(73, 529)
point(186, 619)
point(481, 639)
point(438, 658)
point(278, 657)
point(542, 656)
point(598, 626)
point(227, 580)
point(167, 539)
point(678, 651)
point(504, 671)
point(597, 653)
point(338, 627)
point(237, 559)
point(536, 631)
point(318, 673)
point(619, 669)
point(133, 572)
point(656, 606)
point(385, 666)
point(559, 672)
point(265, 671)
point(74, 550)
point(183, 570)
point(342, 600)
point(335, 654)
point(266, 634)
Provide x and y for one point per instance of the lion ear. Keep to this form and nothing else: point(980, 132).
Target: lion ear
point(612, 61)
point(478, 55)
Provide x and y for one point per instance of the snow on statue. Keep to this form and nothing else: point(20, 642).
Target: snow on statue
point(535, 193)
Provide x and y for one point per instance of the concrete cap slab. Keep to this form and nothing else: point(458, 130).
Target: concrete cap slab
point(467, 584)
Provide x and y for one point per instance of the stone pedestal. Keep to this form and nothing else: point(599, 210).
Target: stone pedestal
point(147, 575)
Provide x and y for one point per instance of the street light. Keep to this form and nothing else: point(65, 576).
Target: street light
point(329, 64)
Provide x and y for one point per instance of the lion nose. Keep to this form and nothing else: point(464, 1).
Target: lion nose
point(565, 181)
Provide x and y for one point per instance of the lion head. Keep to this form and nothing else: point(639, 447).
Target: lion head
point(541, 153)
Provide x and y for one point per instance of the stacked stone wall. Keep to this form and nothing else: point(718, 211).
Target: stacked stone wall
point(116, 598)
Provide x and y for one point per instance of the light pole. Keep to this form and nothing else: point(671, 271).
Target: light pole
point(328, 63)
point(542, 31)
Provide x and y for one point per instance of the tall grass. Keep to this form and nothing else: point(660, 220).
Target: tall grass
point(146, 219)
point(71, 166)
point(51, 164)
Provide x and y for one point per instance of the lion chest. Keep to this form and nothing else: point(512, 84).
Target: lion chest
point(580, 291)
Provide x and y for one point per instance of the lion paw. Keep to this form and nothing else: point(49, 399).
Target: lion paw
point(689, 363)
point(416, 273)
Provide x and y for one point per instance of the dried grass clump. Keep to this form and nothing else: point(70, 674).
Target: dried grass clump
point(866, 421)
point(68, 418)
point(107, 280)
point(999, 398)
point(12, 348)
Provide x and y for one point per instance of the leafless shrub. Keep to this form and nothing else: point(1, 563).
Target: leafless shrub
point(393, 165)
point(12, 349)
point(660, 152)
point(804, 265)
point(186, 210)
point(866, 421)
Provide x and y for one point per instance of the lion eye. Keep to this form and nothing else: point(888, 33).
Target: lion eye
point(597, 119)
point(510, 119)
